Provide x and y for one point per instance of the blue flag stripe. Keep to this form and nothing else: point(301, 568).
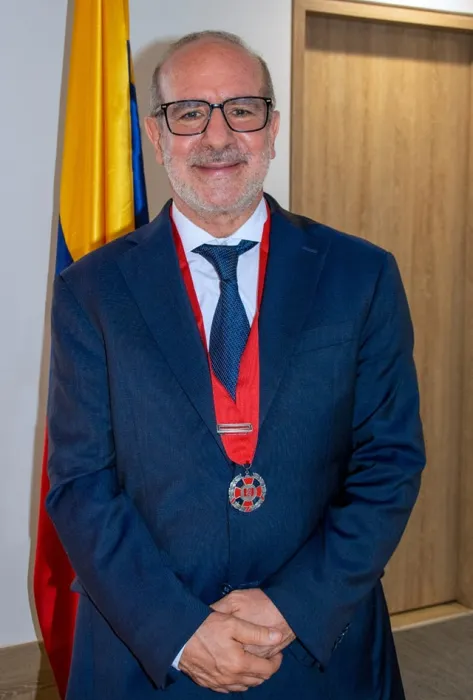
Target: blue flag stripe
point(139, 186)
point(63, 257)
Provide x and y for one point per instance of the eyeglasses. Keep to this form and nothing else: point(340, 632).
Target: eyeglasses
point(192, 117)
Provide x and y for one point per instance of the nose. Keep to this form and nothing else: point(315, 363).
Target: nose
point(218, 134)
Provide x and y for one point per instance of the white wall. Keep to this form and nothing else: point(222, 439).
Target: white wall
point(33, 37)
point(30, 75)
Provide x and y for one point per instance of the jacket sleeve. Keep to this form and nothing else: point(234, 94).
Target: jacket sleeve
point(343, 560)
point(109, 546)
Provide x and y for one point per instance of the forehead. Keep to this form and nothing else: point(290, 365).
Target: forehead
point(211, 71)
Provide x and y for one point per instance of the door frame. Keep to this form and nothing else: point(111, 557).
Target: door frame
point(359, 9)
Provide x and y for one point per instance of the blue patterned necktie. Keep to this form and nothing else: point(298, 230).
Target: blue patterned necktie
point(230, 326)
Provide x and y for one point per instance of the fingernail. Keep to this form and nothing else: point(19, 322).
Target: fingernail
point(275, 636)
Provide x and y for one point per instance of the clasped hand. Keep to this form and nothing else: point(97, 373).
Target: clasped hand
point(239, 645)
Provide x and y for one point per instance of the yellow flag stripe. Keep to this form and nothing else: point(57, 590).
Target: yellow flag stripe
point(96, 203)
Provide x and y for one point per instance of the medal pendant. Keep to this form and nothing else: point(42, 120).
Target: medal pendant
point(247, 492)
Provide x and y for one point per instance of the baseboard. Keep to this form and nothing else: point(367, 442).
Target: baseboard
point(428, 616)
point(25, 673)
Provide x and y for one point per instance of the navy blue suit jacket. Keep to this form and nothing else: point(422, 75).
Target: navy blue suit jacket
point(139, 477)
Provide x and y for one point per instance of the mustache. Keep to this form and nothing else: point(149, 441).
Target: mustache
point(211, 156)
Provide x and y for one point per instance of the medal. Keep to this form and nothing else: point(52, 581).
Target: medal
point(247, 492)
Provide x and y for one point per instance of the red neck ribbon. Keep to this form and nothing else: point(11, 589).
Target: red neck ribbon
point(240, 448)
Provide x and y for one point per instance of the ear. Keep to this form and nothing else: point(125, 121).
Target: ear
point(274, 130)
point(154, 133)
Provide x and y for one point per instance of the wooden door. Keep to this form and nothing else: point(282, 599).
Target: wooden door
point(382, 136)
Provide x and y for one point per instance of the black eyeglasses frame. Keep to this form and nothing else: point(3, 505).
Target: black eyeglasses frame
point(217, 105)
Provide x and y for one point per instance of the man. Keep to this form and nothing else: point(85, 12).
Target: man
point(234, 425)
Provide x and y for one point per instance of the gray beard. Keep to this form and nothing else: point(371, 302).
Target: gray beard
point(191, 197)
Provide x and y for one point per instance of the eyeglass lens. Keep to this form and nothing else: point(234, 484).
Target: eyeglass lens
point(189, 117)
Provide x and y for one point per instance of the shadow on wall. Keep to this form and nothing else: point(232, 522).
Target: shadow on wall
point(157, 185)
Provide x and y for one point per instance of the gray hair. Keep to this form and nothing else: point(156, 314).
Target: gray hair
point(156, 96)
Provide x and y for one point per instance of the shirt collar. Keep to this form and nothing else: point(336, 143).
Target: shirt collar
point(193, 236)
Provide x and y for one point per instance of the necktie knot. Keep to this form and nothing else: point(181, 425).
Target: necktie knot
point(224, 258)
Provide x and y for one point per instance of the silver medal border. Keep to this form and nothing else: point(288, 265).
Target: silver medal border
point(232, 487)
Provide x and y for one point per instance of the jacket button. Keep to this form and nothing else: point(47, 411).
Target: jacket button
point(226, 589)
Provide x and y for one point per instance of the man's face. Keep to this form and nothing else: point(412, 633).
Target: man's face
point(219, 171)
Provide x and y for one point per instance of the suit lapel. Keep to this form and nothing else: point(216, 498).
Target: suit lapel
point(296, 259)
point(151, 271)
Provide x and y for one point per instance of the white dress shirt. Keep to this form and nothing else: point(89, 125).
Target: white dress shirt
point(205, 277)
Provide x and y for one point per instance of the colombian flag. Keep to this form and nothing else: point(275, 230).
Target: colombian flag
point(102, 196)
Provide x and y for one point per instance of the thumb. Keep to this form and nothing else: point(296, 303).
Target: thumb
point(248, 633)
point(223, 606)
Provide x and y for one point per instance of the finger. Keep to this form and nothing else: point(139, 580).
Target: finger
point(209, 683)
point(206, 680)
point(251, 681)
point(276, 651)
point(276, 662)
point(261, 668)
point(243, 684)
point(222, 606)
point(248, 633)
point(264, 652)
